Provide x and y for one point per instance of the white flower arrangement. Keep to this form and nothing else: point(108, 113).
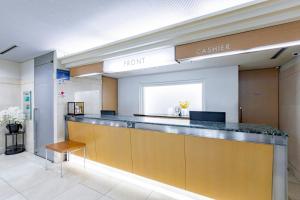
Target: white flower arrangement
point(11, 115)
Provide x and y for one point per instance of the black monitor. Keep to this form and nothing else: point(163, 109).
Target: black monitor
point(208, 116)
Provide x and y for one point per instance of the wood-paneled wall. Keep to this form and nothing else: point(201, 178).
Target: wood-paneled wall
point(109, 93)
point(259, 93)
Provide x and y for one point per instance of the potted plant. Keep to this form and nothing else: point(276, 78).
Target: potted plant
point(184, 105)
point(12, 119)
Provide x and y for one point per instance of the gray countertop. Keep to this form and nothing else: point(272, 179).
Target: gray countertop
point(234, 131)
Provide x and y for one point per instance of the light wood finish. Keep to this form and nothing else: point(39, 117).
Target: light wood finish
point(216, 168)
point(241, 41)
point(159, 156)
point(86, 69)
point(83, 132)
point(109, 93)
point(258, 96)
point(113, 146)
point(66, 146)
point(229, 170)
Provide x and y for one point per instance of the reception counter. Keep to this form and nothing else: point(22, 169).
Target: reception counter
point(218, 160)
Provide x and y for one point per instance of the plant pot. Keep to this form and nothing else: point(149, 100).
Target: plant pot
point(184, 112)
point(13, 128)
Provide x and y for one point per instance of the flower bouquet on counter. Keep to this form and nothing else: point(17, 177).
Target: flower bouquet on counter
point(12, 119)
point(184, 105)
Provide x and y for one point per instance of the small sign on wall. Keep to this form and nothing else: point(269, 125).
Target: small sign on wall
point(27, 107)
point(62, 74)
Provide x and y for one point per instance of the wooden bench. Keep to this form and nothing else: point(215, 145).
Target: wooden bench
point(65, 147)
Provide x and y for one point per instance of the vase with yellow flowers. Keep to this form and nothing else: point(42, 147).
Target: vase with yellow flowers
point(184, 105)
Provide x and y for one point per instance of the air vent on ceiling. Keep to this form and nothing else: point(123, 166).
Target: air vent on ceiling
point(9, 49)
point(276, 55)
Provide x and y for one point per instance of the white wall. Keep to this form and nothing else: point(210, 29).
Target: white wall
point(14, 79)
point(289, 110)
point(27, 84)
point(9, 84)
point(77, 89)
point(220, 89)
point(10, 91)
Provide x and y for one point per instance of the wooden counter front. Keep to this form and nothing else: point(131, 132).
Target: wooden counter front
point(230, 170)
point(82, 132)
point(216, 168)
point(113, 146)
point(159, 156)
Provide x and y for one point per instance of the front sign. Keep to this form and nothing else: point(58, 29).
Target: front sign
point(154, 58)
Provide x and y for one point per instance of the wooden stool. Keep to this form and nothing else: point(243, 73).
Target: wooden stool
point(65, 147)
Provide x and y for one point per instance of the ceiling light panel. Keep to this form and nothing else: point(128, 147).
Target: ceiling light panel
point(73, 26)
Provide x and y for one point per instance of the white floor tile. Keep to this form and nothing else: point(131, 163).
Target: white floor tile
point(26, 176)
point(79, 192)
point(158, 196)
point(10, 161)
point(292, 178)
point(100, 183)
point(35, 159)
point(6, 191)
point(51, 188)
point(16, 197)
point(127, 191)
point(105, 198)
point(294, 191)
point(25, 173)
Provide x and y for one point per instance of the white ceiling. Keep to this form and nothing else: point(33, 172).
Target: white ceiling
point(71, 26)
point(247, 61)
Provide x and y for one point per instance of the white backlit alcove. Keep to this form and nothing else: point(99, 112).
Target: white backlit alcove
point(164, 97)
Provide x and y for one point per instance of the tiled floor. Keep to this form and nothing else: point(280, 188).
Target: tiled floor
point(294, 187)
point(22, 177)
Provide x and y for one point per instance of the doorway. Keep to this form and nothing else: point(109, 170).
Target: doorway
point(43, 103)
point(258, 96)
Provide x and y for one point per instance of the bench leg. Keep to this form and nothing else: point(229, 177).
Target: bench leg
point(61, 163)
point(68, 156)
point(46, 160)
point(84, 154)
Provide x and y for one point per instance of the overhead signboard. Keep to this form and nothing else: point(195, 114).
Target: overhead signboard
point(287, 34)
point(87, 70)
point(148, 59)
